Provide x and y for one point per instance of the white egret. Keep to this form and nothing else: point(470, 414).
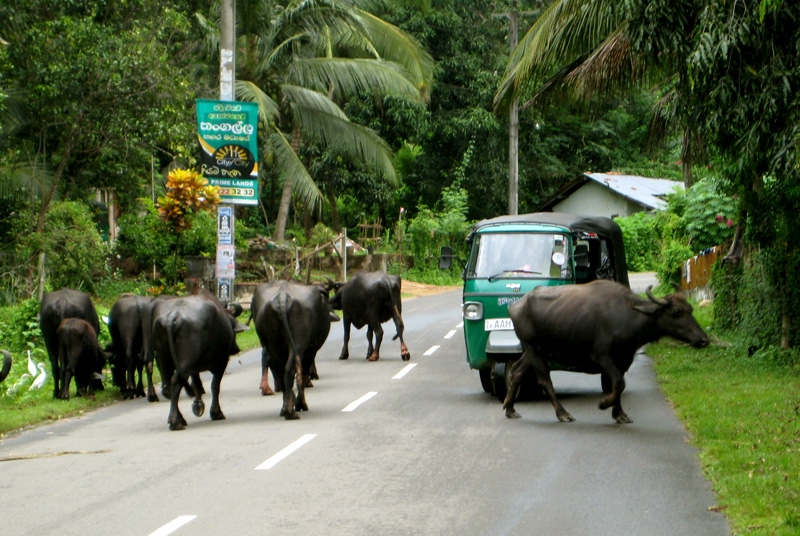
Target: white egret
point(17, 386)
point(32, 366)
point(38, 383)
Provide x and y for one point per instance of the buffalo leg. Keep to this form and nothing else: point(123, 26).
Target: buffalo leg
point(405, 355)
point(614, 399)
point(345, 348)
point(151, 391)
point(517, 370)
point(302, 380)
point(175, 419)
point(264, 386)
point(288, 411)
point(216, 411)
point(539, 364)
point(140, 382)
point(56, 378)
point(375, 352)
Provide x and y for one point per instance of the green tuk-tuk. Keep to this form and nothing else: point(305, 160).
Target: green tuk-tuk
point(511, 255)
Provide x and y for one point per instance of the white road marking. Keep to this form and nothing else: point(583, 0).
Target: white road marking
point(172, 526)
point(273, 461)
point(432, 349)
point(405, 371)
point(460, 324)
point(450, 334)
point(353, 405)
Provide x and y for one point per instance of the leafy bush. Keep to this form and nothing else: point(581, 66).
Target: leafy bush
point(75, 252)
point(709, 216)
point(641, 241)
point(429, 230)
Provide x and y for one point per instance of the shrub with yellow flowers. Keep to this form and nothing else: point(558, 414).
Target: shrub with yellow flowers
point(188, 193)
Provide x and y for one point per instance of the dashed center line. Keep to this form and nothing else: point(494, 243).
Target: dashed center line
point(353, 405)
point(172, 526)
point(273, 461)
point(432, 349)
point(405, 371)
point(450, 334)
point(460, 325)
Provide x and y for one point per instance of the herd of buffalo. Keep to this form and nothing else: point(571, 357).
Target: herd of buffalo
point(595, 328)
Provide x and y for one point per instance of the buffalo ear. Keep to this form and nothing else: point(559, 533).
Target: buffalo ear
point(238, 327)
point(646, 307)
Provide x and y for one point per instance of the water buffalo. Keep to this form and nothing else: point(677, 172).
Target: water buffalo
point(79, 356)
point(594, 328)
point(6, 365)
point(125, 324)
point(370, 298)
point(57, 306)
point(292, 321)
point(190, 335)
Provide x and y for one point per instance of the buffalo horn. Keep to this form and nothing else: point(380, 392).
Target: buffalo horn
point(653, 299)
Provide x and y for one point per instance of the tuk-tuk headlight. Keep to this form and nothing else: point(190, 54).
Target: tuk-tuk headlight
point(472, 311)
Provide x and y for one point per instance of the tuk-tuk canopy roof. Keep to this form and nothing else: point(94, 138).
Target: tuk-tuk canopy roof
point(605, 228)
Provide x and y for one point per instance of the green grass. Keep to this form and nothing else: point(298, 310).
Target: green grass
point(743, 413)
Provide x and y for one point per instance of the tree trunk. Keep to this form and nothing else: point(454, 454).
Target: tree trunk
point(335, 225)
point(286, 195)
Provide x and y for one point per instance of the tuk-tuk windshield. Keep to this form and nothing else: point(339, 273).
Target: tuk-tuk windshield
point(519, 255)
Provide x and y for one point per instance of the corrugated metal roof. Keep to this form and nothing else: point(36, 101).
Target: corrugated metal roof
point(643, 190)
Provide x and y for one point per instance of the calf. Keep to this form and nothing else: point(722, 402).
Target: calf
point(79, 356)
point(370, 298)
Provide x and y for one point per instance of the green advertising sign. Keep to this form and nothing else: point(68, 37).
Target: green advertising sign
point(229, 151)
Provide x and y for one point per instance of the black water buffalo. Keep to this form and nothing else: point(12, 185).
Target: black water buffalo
point(594, 328)
point(125, 324)
point(190, 335)
point(57, 306)
point(79, 356)
point(292, 321)
point(6, 368)
point(370, 298)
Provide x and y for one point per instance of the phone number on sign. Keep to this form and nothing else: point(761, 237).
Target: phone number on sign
point(238, 192)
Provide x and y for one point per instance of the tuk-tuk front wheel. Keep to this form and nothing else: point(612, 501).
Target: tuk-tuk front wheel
point(486, 380)
point(500, 378)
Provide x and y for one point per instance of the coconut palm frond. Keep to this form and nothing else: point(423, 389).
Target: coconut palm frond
point(566, 30)
point(352, 76)
point(323, 122)
point(293, 170)
point(211, 32)
point(395, 45)
point(268, 109)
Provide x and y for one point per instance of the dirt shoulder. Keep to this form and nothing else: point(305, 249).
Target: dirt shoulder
point(412, 289)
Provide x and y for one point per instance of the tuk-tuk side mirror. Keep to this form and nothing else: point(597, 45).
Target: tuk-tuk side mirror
point(446, 258)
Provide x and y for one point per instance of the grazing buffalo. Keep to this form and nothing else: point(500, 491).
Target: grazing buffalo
point(594, 328)
point(191, 335)
point(6, 368)
point(79, 356)
point(57, 306)
point(370, 298)
point(125, 324)
point(292, 321)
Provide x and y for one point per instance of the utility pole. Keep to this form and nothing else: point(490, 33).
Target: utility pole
point(227, 82)
point(513, 114)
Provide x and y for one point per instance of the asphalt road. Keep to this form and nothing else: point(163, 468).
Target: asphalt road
point(421, 450)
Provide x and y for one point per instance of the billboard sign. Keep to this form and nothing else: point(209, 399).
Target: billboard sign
point(226, 131)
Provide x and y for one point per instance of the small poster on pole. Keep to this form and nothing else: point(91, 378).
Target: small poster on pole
point(226, 262)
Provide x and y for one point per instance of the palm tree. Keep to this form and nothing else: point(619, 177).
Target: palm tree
point(301, 62)
point(578, 48)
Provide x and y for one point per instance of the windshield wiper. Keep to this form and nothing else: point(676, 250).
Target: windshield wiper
point(498, 275)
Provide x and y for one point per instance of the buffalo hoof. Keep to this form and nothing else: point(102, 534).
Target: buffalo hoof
point(511, 414)
point(198, 408)
point(620, 416)
point(307, 383)
point(301, 407)
point(267, 391)
point(373, 357)
point(564, 416)
point(152, 397)
point(177, 426)
point(405, 357)
point(217, 415)
point(344, 356)
point(289, 415)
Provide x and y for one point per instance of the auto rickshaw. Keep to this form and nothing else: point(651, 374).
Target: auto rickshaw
point(511, 255)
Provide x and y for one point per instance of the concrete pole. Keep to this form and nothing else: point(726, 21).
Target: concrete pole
point(227, 85)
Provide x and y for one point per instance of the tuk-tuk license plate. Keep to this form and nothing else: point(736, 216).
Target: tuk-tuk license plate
point(494, 324)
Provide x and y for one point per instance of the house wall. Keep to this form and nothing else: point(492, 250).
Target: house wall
point(592, 199)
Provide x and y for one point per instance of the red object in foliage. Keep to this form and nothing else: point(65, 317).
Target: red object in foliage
point(720, 217)
point(729, 222)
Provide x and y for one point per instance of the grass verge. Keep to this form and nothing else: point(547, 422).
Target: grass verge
point(743, 413)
